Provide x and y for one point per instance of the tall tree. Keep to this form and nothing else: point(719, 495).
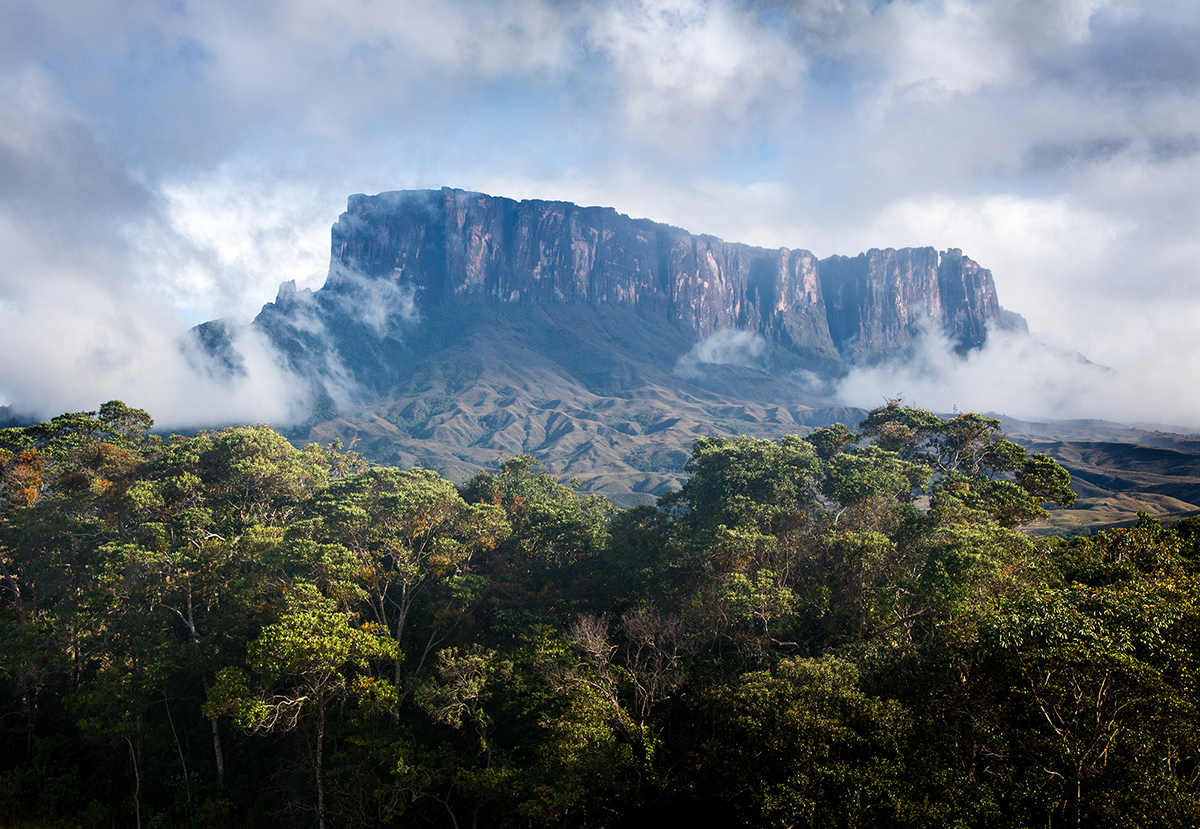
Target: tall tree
point(396, 536)
point(301, 664)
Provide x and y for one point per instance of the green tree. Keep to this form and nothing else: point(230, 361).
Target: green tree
point(397, 535)
point(803, 745)
point(552, 562)
point(829, 440)
point(745, 481)
point(853, 479)
point(301, 664)
point(970, 458)
point(553, 524)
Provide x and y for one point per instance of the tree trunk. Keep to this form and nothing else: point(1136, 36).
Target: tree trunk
point(317, 763)
point(1078, 794)
point(216, 732)
point(137, 785)
point(191, 617)
point(187, 783)
point(139, 725)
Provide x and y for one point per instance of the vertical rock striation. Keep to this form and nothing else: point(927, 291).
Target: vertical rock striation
point(397, 253)
point(878, 302)
point(464, 248)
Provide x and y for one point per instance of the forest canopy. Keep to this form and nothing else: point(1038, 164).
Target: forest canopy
point(841, 629)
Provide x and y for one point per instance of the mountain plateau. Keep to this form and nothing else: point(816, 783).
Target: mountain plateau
point(455, 327)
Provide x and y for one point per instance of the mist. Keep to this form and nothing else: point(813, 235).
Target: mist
point(1017, 375)
point(723, 347)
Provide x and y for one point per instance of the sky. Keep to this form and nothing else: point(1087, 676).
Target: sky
point(166, 163)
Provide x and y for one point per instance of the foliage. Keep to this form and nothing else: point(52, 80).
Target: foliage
point(846, 629)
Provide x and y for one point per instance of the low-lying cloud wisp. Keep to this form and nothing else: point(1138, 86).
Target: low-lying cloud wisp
point(723, 347)
point(1017, 375)
point(386, 306)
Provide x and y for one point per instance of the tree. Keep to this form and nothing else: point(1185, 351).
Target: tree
point(397, 533)
point(301, 664)
point(1099, 699)
point(746, 481)
point(829, 440)
point(552, 524)
point(552, 561)
point(971, 459)
point(852, 479)
point(252, 475)
point(803, 745)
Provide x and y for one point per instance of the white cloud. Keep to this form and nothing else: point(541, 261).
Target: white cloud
point(689, 68)
point(81, 344)
point(1016, 375)
point(232, 238)
point(723, 347)
point(1042, 251)
point(161, 164)
point(77, 324)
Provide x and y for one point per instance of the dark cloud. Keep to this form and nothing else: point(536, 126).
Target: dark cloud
point(1046, 157)
point(1139, 49)
point(1165, 149)
point(56, 175)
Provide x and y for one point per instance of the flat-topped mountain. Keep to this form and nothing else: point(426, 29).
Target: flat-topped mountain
point(460, 248)
point(455, 326)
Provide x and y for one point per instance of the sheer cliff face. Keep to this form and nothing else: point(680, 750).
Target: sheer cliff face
point(465, 248)
point(458, 248)
point(878, 301)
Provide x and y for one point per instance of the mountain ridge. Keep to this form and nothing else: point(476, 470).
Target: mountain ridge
point(458, 247)
point(455, 327)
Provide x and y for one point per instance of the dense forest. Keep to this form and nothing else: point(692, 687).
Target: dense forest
point(841, 630)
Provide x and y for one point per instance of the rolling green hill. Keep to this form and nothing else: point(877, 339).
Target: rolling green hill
point(1115, 481)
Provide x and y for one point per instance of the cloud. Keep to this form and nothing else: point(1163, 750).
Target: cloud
point(723, 347)
point(303, 334)
point(163, 164)
point(386, 306)
point(224, 242)
point(77, 324)
point(83, 345)
point(1016, 375)
point(688, 68)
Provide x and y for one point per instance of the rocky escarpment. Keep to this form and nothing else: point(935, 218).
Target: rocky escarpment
point(462, 248)
point(459, 248)
point(454, 326)
point(404, 257)
point(879, 301)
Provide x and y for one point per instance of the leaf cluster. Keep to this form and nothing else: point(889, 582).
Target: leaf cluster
point(841, 629)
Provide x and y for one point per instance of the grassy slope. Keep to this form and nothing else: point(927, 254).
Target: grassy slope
point(1115, 481)
point(592, 392)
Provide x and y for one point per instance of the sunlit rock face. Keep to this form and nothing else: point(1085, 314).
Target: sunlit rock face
point(879, 301)
point(466, 248)
point(412, 272)
point(461, 248)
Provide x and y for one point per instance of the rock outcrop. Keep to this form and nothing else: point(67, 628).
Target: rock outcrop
point(456, 326)
point(464, 248)
point(443, 259)
point(460, 248)
point(879, 301)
